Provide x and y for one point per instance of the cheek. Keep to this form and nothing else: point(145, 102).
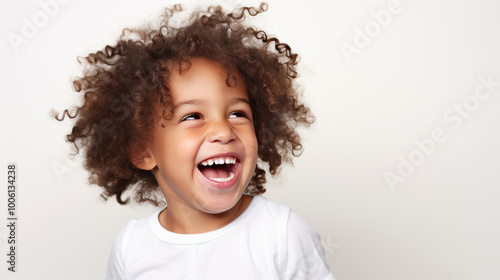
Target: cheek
point(251, 144)
point(173, 147)
point(185, 145)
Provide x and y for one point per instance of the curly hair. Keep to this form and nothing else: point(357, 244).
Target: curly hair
point(122, 83)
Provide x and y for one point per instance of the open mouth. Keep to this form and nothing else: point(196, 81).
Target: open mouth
point(219, 169)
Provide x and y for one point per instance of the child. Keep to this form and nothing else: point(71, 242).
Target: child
point(190, 115)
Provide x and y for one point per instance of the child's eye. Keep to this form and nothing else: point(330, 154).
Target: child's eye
point(194, 116)
point(238, 114)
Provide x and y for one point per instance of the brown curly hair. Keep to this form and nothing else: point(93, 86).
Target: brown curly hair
point(122, 83)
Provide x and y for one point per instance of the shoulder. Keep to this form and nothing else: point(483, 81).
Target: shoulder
point(125, 242)
point(278, 214)
point(264, 213)
point(300, 251)
point(271, 209)
point(131, 232)
point(305, 255)
point(298, 227)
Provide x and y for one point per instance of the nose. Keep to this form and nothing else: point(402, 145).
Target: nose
point(220, 131)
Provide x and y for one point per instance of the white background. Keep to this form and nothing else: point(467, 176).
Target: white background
point(441, 222)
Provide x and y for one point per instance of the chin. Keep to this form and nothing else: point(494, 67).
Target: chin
point(218, 204)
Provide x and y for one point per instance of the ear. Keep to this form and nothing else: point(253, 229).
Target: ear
point(141, 156)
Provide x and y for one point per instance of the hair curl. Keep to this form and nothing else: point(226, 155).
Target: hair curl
point(121, 84)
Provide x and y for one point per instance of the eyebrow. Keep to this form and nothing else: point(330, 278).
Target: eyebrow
point(187, 102)
point(238, 100)
point(200, 102)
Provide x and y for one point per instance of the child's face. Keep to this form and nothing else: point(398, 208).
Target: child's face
point(212, 122)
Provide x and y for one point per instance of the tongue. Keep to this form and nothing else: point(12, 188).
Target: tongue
point(214, 172)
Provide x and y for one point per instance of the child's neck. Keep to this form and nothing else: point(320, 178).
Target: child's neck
point(176, 219)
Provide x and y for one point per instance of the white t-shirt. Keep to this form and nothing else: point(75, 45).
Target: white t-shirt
point(268, 241)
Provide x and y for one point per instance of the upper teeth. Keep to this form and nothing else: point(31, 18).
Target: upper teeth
point(223, 160)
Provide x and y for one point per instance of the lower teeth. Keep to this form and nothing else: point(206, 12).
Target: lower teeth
point(231, 176)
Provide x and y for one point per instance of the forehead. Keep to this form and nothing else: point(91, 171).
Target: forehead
point(205, 78)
